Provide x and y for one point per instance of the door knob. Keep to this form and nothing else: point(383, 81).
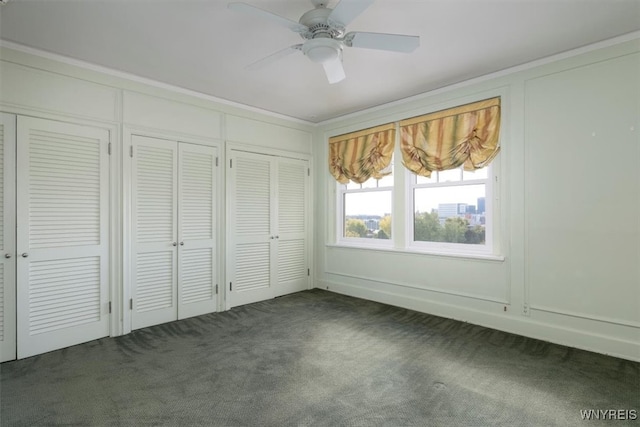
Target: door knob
point(7, 255)
point(181, 243)
point(24, 255)
point(174, 244)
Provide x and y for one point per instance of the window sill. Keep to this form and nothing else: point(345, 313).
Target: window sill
point(414, 251)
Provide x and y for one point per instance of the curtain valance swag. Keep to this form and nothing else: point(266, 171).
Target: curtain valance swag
point(467, 135)
point(361, 155)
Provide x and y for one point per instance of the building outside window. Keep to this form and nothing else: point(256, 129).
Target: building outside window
point(450, 210)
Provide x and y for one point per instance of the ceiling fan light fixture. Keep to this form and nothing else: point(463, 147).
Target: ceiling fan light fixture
point(322, 50)
point(324, 32)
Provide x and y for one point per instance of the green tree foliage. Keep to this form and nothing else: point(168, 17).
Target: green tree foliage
point(355, 228)
point(427, 228)
point(475, 235)
point(385, 225)
point(455, 229)
point(382, 235)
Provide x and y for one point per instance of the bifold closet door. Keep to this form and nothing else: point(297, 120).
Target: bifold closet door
point(197, 212)
point(154, 231)
point(251, 266)
point(292, 195)
point(62, 235)
point(7, 238)
point(268, 210)
point(174, 268)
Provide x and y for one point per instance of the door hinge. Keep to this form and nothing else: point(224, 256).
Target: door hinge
point(230, 163)
point(308, 272)
point(308, 171)
point(131, 304)
point(230, 286)
point(109, 149)
point(109, 307)
point(131, 151)
point(216, 161)
point(216, 289)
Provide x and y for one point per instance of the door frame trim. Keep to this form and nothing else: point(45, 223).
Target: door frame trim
point(10, 347)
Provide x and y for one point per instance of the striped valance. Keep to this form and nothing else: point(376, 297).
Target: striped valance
point(358, 156)
point(467, 135)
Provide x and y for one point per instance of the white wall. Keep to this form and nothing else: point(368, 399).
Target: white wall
point(570, 209)
point(38, 83)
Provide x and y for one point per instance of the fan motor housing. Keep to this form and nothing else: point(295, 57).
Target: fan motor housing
point(317, 20)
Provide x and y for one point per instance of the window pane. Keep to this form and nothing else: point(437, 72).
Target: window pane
point(451, 175)
point(424, 180)
point(386, 181)
point(477, 174)
point(370, 183)
point(450, 214)
point(367, 215)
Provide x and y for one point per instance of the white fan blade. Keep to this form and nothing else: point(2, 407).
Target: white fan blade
point(274, 57)
point(334, 70)
point(347, 10)
point(392, 42)
point(280, 20)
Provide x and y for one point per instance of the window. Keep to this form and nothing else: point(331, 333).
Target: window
point(443, 194)
point(365, 210)
point(451, 211)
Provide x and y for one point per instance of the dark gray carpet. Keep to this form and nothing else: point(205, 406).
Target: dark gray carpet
point(315, 358)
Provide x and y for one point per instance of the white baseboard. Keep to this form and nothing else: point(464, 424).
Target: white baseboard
point(520, 325)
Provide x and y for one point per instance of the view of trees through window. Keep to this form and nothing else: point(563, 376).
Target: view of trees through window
point(367, 208)
point(359, 226)
point(448, 207)
point(428, 228)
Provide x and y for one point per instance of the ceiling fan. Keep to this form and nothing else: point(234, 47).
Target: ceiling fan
point(323, 30)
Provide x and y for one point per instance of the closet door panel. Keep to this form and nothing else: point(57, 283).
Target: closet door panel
point(7, 238)
point(251, 221)
point(197, 271)
point(154, 231)
point(62, 235)
point(268, 219)
point(292, 257)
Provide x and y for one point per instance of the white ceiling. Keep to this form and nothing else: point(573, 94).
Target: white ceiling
point(203, 46)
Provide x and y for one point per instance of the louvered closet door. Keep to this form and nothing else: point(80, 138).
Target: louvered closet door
point(291, 249)
point(7, 238)
point(154, 231)
point(197, 269)
point(62, 235)
point(251, 267)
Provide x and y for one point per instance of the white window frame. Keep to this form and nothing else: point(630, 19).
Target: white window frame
point(491, 216)
point(340, 217)
point(403, 211)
